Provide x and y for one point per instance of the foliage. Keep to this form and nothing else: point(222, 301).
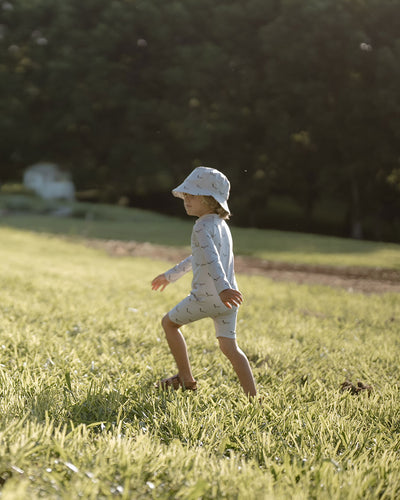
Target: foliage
point(81, 347)
point(287, 97)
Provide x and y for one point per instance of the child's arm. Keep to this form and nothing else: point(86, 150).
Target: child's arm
point(229, 296)
point(173, 274)
point(212, 258)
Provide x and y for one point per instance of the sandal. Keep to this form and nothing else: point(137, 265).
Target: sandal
point(175, 382)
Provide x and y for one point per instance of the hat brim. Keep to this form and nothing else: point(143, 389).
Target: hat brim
point(184, 189)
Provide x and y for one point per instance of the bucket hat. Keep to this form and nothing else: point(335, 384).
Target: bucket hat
point(206, 181)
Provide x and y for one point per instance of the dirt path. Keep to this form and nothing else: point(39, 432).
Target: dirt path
point(357, 279)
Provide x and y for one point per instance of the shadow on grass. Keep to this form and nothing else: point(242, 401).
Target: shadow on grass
point(102, 408)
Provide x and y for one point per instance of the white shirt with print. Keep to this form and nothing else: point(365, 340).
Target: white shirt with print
point(212, 259)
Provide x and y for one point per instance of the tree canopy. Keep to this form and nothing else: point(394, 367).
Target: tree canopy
point(290, 98)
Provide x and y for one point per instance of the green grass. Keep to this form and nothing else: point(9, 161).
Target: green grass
point(112, 222)
point(313, 249)
point(81, 346)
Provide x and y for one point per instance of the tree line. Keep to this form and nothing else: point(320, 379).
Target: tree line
point(298, 102)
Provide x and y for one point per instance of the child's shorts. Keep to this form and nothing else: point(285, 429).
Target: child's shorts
point(193, 308)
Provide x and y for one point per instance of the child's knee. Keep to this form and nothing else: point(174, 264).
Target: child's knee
point(167, 324)
point(165, 321)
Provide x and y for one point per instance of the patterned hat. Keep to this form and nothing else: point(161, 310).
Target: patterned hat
point(206, 181)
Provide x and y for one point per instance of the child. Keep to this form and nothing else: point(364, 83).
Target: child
point(214, 291)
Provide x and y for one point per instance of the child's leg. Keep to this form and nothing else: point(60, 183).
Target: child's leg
point(178, 348)
point(240, 364)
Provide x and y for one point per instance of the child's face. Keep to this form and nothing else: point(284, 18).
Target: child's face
point(194, 205)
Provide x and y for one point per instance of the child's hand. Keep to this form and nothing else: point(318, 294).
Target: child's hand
point(231, 297)
point(159, 282)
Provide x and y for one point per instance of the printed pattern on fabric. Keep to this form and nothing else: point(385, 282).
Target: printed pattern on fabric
point(212, 258)
point(192, 309)
point(179, 270)
point(205, 181)
point(212, 263)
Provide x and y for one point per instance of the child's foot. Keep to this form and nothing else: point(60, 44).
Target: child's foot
point(175, 383)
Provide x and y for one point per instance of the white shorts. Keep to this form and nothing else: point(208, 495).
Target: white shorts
point(192, 309)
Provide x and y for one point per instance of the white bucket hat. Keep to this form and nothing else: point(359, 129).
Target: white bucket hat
point(206, 181)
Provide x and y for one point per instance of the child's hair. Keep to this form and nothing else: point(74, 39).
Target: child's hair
point(213, 204)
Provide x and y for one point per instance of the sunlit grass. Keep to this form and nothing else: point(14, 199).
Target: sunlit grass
point(112, 222)
point(315, 249)
point(81, 346)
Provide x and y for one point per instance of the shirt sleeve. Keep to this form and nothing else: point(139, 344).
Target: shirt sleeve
point(179, 270)
point(212, 258)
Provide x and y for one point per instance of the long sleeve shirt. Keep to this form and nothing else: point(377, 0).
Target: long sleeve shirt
point(212, 260)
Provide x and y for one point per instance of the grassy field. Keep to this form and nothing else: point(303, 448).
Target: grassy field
point(81, 346)
point(112, 222)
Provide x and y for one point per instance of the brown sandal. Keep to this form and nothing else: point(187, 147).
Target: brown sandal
point(175, 383)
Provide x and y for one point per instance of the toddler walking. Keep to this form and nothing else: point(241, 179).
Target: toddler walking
point(214, 291)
